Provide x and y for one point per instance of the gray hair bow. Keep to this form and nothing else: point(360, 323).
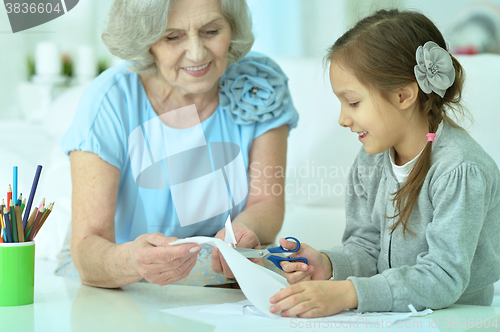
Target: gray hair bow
point(434, 70)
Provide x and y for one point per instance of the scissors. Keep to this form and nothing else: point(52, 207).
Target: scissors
point(266, 253)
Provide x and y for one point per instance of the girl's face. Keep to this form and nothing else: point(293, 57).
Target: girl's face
point(378, 123)
point(192, 54)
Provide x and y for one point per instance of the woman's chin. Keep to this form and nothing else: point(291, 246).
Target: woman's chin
point(201, 86)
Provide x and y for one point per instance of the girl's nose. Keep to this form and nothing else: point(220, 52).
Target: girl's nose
point(344, 120)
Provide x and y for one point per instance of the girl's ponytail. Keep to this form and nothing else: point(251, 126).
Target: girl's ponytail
point(406, 197)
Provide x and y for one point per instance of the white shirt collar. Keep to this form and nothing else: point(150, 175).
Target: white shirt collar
point(401, 172)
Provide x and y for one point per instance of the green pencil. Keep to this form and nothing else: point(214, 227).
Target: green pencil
point(23, 205)
point(13, 222)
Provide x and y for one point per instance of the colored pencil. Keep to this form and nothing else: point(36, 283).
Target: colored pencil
point(23, 205)
point(9, 197)
point(3, 221)
point(7, 225)
point(30, 221)
point(13, 222)
point(20, 199)
point(14, 182)
point(44, 217)
point(32, 194)
point(3, 225)
point(41, 208)
point(19, 222)
point(35, 225)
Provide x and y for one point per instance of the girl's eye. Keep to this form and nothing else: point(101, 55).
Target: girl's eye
point(354, 105)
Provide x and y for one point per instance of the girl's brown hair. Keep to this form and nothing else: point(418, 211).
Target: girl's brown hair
point(381, 52)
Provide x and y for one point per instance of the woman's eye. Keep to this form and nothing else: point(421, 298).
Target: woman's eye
point(212, 32)
point(170, 38)
point(354, 104)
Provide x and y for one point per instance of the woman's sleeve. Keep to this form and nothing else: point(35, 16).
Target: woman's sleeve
point(254, 91)
point(442, 273)
point(358, 255)
point(98, 126)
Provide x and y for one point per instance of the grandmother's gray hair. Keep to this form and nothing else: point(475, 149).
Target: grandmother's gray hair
point(134, 25)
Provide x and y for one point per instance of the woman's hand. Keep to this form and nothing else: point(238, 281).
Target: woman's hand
point(319, 267)
point(158, 262)
point(315, 299)
point(245, 238)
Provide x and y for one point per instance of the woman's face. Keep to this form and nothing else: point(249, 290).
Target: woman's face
point(192, 54)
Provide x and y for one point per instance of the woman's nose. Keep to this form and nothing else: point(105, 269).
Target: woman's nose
point(195, 50)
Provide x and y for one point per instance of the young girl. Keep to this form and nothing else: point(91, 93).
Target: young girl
point(423, 202)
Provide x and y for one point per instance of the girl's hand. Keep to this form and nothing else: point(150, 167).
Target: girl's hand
point(245, 238)
point(319, 267)
point(158, 262)
point(315, 299)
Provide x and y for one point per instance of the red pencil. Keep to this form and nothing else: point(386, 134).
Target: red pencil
point(9, 197)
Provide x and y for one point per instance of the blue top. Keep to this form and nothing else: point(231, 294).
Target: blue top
point(182, 182)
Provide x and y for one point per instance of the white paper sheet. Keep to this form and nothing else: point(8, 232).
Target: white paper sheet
point(238, 318)
point(229, 238)
point(257, 283)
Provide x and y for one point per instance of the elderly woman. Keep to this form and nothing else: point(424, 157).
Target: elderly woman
point(167, 145)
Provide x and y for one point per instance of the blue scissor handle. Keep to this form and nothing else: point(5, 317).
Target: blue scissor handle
point(277, 260)
point(280, 249)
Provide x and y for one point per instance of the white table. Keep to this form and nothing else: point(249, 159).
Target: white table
point(63, 304)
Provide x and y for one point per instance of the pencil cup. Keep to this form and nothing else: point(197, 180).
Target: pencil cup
point(17, 273)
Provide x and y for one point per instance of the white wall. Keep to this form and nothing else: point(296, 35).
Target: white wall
point(82, 25)
point(283, 28)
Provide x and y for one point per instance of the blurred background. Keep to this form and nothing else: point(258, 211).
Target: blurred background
point(70, 50)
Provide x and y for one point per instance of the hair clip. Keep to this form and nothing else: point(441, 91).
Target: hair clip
point(434, 70)
point(430, 137)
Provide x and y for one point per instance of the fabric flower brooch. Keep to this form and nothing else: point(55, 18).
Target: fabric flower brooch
point(434, 70)
point(253, 89)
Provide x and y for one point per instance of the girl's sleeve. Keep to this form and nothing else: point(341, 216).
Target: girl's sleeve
point(254, 91)
point(358, 256)
point(98, 126)
point(441, 274)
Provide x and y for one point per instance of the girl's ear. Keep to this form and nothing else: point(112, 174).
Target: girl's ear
point(407, 96)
